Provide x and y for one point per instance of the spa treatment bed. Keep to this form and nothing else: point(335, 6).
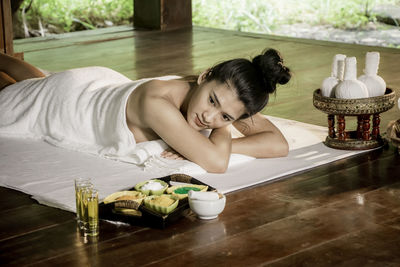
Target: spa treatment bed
point(47, 172)
point(72, 124)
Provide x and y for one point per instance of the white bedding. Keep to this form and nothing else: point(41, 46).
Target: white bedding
point(47, 172)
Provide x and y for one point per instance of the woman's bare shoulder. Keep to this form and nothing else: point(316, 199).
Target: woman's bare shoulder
point(162, 88)
point(174, 91)
point(145, 100)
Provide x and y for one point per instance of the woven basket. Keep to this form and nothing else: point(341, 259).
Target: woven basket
point(360, 106)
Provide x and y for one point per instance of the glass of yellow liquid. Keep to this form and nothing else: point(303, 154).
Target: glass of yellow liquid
point(81, 184)
point(91, 215)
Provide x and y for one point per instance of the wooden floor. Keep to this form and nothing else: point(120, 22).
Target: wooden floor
point(346, 213)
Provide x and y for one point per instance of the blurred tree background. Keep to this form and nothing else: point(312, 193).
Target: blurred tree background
point(266, 16)
point(44, 17)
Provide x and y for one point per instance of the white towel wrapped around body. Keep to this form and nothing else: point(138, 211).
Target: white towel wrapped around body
point(80, 109)
point(84, 110)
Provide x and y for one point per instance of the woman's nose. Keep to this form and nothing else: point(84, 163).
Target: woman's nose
point(209, 115)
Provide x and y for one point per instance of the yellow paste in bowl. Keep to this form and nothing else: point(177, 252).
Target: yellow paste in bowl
point(162, 201)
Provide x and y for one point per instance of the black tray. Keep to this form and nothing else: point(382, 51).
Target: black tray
point(149, 217)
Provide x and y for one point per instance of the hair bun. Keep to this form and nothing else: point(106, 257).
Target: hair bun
point(272, 69)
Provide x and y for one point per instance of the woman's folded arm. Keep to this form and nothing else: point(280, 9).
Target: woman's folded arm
point(261, 138)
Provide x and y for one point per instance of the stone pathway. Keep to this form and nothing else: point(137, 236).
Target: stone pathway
point(374, 35)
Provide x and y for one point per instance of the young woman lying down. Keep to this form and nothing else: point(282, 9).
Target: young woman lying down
point(98, 110)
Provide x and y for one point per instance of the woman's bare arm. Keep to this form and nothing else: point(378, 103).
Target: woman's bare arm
point(5, 80)
point(261, 138)
point(17, 69)
point(211, 153)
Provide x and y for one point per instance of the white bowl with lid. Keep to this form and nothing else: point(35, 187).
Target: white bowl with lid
point(207, 205)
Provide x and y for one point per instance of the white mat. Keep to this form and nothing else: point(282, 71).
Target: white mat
point(47, 172)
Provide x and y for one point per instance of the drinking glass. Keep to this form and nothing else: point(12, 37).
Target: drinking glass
point(91, 203)
point(81, 184)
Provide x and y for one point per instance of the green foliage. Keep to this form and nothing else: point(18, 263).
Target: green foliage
point(75, 15)
point(265, 15)
point(241, 15)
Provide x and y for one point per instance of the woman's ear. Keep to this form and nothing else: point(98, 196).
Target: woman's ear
point(202, 76)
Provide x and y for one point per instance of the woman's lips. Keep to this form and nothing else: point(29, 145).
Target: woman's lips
point(199, 123)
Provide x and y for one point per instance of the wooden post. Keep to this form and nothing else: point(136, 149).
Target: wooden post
point(162, 14)
point(366, 127)
point(331, 126)
point(359, 126)
point(6, 32)
point(341, 127)
point(375, 126)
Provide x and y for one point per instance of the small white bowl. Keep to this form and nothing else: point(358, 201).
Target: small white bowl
point(207, 209)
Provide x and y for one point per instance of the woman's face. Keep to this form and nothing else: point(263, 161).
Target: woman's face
point(213, 105)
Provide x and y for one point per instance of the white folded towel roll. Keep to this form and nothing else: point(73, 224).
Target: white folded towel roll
point(144, 151)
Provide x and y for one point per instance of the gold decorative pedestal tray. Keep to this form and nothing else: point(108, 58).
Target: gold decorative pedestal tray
point(363, 108)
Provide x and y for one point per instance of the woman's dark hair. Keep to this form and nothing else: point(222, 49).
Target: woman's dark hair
point(253, 80)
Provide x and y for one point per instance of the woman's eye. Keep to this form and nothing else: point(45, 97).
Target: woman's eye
point(226, 118)
point(211, 100)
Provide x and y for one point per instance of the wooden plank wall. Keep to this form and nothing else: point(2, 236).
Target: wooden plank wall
point(6, 32)
point(162, 14)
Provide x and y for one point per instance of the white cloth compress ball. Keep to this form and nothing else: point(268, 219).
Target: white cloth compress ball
point(329, 83)
point(375, 84)
point(350, 87)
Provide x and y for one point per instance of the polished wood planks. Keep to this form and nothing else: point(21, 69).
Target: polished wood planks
point(343, 206)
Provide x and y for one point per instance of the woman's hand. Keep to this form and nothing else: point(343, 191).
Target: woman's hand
point(171, 154)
